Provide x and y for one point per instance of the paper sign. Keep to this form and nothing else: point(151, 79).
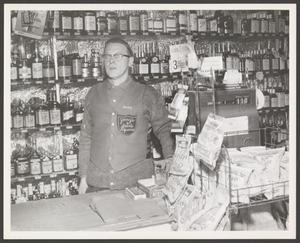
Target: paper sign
point(212, 63)
point(182, 57)
point(232, 77)
point(31, 23)
point(238, 124)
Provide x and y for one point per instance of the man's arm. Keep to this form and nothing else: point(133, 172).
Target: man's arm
point(160, 122)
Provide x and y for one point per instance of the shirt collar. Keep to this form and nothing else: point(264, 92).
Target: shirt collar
point(123, 85)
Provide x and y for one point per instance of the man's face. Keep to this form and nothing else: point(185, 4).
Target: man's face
point(118, 65)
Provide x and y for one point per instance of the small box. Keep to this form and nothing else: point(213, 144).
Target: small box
point(71, 162)
point(135, 193)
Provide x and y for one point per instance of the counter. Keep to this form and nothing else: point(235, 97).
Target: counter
point(72, 214)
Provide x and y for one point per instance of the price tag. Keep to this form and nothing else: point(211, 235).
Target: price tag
point(80, 80)
point(42, 129)
point(21, 179)
point(37, 177)
point(56, 128)
point(72, 172)
point(24, 130)
point(179, 58)
point(51, 81)
point(53, 175)
point(69, 127)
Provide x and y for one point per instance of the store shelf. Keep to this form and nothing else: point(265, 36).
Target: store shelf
point(43, 176)
point(46, 128)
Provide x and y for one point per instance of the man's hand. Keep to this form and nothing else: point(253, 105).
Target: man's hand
point(83, 186)
point(164, 164)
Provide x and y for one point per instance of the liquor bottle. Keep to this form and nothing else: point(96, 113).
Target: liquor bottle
point(24, 70)
point(29, 117)
point(212, 24)
point(143, 62)
point(193, 21)
point(30, 192)
point(41, 190)
point(155, 62)
point(13, 68)
point(14, 15)
point(287, 25)
point(134, 23)
point(42, 117)
point(271, 21)
point(182, 22)
point(220, 21)
point(158, 25)
point(55, 28)
point(35, 164)
point(171, 25)
point(101, 22)
point(266, 61)
point(144, 22)
point(228, 24)
point(89, 23)
point(67, 111)
point(264, 24)
point(112, 24)
point(249, 62)
point(245, 26)
point(164, 63)
point(286, 95)
point(76, 66)
point(78, 23)
point(64, 68)
point(66, 22)
point(79, 112)
point(123, 23)
point(37, 66)
point(48, 70)
point(18, 118)
point(275, 61)
point(95, 64)
point(201, 21)
point(254, 24)
point(273, 98)
point(85, 67)
point(151, 23)
point(54, 108)
point(281, 22)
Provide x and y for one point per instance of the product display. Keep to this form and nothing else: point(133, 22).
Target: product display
point(224, 78)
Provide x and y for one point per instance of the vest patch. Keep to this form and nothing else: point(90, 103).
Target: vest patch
point(126, 123)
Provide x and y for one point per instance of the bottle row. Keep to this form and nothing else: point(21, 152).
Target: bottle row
point(163, 22)
point(49, 113)
point(36, 165)
point(43, 190)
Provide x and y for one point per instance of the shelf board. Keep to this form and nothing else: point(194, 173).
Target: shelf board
point(42, 176)
point(46, 128)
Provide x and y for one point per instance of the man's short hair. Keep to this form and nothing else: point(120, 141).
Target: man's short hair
point(121, 41)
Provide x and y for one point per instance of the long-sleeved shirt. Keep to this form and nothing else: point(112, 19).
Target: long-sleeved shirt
point(113, 137)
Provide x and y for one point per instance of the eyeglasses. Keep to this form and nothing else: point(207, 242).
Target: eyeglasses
point(115, 56)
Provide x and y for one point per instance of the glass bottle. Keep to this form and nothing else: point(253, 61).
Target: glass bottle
point(101, 22)
point(42, 117)
point(95, 64)
point(228, 24)
point(151, 22)
point(24, 70)
point(266, 61)
point(220, 21)
point(123, 23)
point(14, 15)
point(64, 68)
point(85, 67)
point(143, 62)
point(255, 24)
point(90, 22)
point(273, 99)
point(158, 25)
point(171, 24)
point(78, 23)
point(79, 113)
point(48, 70)
point(245, 26)
point(134, 23)
point(66, 22)
point(68, 112)
point(193, 21)
point(202, 25)
point(54, 108)
point(37, 66)
point(29, 117)
point(281, 22)
point(76, 66)
point(18, 118)
point(155, 62)
point(275, 61)
point(112, 24)
point(56, 24)
point(212, 24)
point(144, 22)
point(13, 68)
point(30, 192)
point(264, 24)
point(164, 63)
point(182, 22)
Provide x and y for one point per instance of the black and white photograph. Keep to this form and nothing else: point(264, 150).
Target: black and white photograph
point(149, 121)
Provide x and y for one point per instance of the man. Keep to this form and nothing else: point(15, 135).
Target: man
point(117, 116)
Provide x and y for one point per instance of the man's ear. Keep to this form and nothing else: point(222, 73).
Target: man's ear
point(130, 61)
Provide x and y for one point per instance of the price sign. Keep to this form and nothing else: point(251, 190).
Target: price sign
point(182, 57)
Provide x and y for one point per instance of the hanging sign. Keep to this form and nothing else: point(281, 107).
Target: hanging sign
point(31, 23)
point(210, 64)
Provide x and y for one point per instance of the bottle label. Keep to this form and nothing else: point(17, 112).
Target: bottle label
point(150, 25)
point(275, 64)
point(43, 117)
point(281, 99)
point(55, 116)
point(64, 71)
point(266, 64)
point(29, 121)
point(254, 26)
point(56, 20)
point(111, 25)
point(134, 24)
point(144, 22)
point(101, 25)
point(171, 25)
point(213, 25)
point(25, 72)
point(158, 25)
point(58, 165)
point(96, 72)
point(272, 27)
point(48, 72)
point(66, 23)
point(90, 23)
point(123, 25)
point(202, 27)
point(229, 63)
point(78, 23)
point(47, 167)
point(67, 115)
point(76, 65)
point(282, 64)
point(35, 168)
point(13, 73)
point(79, 117)
point(249, 65)
point(85, 72)
point(155, 68)
point(182, 20)
point(274, 102)
point(267, 101)
point(144, 68)
point(286, 99)
point(193, 22)
point(37, 70)
point(18, 121)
